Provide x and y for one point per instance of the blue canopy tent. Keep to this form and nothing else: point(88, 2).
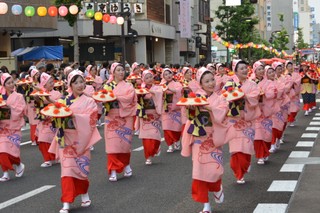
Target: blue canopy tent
point(37, 53)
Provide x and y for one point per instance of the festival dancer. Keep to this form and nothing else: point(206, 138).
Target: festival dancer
point(264, 77)
point(241, 117)
point(119, 123)
point(11, 122)
point(149, 114)
point(294, 93)
point(45, 129)
point(171, 115)
point(79, 134)
point(206, 149)
point(307, 88)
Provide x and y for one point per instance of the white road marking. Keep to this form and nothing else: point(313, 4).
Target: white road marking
point(314, 123)
point(305, 144)
point(309, 135)
point(317, 114)
point(292, 168)
point(313, 128)
point(25, 143)
point(271, 208)
point(282, 186)
point(25, 196)
point(316, 118)
point(299, 154)
point(138, 149)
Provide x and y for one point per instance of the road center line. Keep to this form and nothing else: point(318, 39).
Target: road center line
point(25, 196)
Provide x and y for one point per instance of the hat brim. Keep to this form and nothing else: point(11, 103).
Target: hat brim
point(141, 91)
point(3, 103)
point(102, 97)
point(50, 112)
point(40, 93)
point(192, 102)
point(231, 97)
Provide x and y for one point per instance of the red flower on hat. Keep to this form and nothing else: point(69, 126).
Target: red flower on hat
point(96, 93)
point(56, 111)
point(102, 96)
point(192, 95)
point(230, 89)
point(235, 94)
point(198, 100)
point(67, 109)
point(203, 98)
point(111, 95)
point(46, 108)
point(225, 95)
point(183, 100)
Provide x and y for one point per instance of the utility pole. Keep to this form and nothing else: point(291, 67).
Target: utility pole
point(123, 40)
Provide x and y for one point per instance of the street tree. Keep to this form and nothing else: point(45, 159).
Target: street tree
point(73, 22)
point(280, 39)
point(236, 22)
point(300, 41)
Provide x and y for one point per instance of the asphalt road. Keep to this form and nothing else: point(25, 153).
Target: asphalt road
point(163, 187)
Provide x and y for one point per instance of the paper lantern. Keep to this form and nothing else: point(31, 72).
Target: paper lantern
point(90, 13)
point(113, 20)
point(63, 11)
point(3, 8)
point(16, 9)
point(73, 9)
point(98, 16)
point(42, 11)
point(120, 20)
point(53, 11)
point(106, 18)
point(29, 11)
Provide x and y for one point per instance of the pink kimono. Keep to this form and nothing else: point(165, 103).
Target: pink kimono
point(89, 90)
point(263, 124)
point(221, 80)
point(241, 130)
point(10, 127)
point(118, 129)
point(31, 114)
point(193, 86)
point(80, 134)
point(171, 118)
point(294, 96)
point(45, 131)
point(207, 150)
point(207, 156)
point(150, 127)
point(97, 85)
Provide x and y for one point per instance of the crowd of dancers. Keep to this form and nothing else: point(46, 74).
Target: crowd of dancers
point(246, 107)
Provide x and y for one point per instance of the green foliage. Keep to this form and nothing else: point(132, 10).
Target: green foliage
point(69, 17)
point(300, 41)
point(280, 39)
point(237, 23)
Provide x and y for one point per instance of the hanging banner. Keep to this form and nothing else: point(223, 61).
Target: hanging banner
point(185, 19)
point(268, 15)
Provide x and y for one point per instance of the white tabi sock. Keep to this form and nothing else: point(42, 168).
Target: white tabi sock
point(85, 197)
point(66, 206)
point(206, 207)
point(128, 168)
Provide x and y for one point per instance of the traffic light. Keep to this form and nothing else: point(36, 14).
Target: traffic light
point(198, 42)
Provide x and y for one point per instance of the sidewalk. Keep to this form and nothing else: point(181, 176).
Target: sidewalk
point(306, 197)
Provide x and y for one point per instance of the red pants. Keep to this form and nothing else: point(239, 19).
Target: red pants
point(44, 147)
point(306, 107)
point(201, 189)
point(117, 161)
point(171, 136)
point(151, 147)
point(261, 148)
point(292, 117)
point(7, 161)
point(239, 163)
point(33, 132)
point(312, 104)
point(276, 134)
point(72, 187)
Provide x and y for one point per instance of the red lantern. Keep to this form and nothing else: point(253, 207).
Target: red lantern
point(53, 11)
point(106, 18)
